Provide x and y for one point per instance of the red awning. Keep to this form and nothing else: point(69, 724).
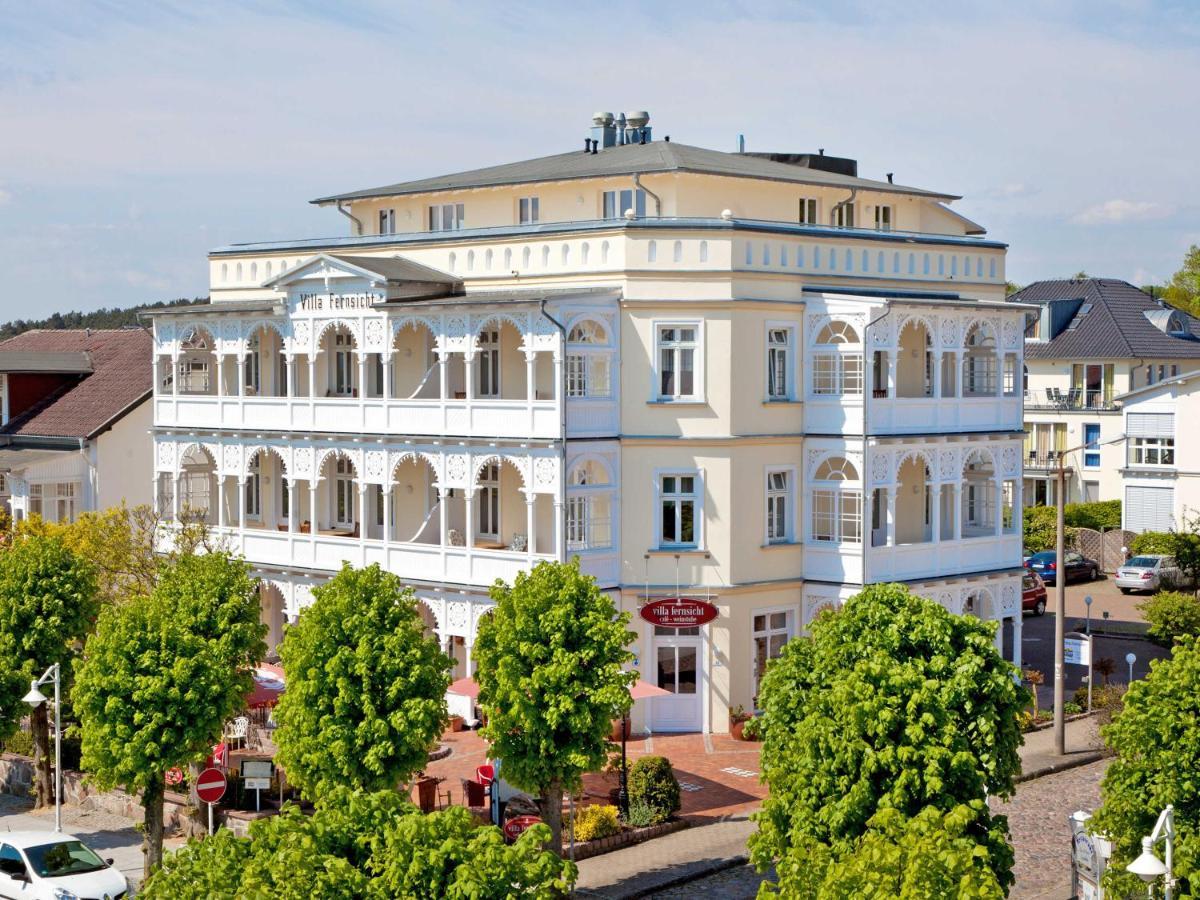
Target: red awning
point(643, 690)
point(268, 685)
point(465, 687)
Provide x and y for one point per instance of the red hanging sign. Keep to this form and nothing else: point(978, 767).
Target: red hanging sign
point(678, 612)
point(514, 828)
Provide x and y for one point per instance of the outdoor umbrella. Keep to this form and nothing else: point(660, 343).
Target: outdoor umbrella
point(464, 687)
point(639, 690)
point(268, 685)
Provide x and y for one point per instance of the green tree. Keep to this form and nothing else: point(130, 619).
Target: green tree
point(48, 604)
point(892, 703)
point(1183, 291)
point(1156, 738)
point(550, 662)
point(1041, 529)
point(366, 697)
point(364, 845)
point(162, 674)
point(1172, 615)
point(1102, 515)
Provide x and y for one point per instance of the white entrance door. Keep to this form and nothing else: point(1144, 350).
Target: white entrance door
point(677, 669)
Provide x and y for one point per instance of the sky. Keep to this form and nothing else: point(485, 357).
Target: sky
point(134, 137)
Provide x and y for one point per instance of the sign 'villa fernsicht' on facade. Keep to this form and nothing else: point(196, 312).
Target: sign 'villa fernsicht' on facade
point(325, 302)
point(678, 612)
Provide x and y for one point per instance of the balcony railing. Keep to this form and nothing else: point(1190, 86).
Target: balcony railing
point(1045, 459)
point(1070, 401)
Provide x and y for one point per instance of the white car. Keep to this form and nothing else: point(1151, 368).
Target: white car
point(1148, 572)
point(45, 865)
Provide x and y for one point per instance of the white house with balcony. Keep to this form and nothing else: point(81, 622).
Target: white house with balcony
point(756, 380)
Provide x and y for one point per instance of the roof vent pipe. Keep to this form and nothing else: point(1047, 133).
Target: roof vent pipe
point(820, 151)
point(741, 143)
point(620, 129)
point(890, 174)
point(587, 145)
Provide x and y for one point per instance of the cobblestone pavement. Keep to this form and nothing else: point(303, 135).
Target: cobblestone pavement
point(1037, 818)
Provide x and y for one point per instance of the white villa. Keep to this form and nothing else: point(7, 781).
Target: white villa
point(756, 380)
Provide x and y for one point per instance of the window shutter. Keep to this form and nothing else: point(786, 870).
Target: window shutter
point(1150, 424)
point(1149, 508)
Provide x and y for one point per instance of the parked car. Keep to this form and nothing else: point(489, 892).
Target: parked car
point(1033, 594)
point(1078, 567)
point(1148, 573)
point(47, 865)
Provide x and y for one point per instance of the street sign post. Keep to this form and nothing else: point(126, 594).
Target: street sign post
point(210, 788)
point(256, 776)
point(1077, 650)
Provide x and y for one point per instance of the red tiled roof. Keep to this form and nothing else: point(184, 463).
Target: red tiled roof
point(122, 377)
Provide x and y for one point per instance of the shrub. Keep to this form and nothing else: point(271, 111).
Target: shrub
point(752, 730)
point(1152, 542)
point(1071, 708)
point(595, 822)
point(20, 743)
point(1103, 515)
point(652, 781)
point(1104, 696)
point(1171, 615)
point(1041, 529)
point(640, 815)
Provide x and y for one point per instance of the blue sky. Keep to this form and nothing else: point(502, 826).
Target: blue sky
point(134, 137)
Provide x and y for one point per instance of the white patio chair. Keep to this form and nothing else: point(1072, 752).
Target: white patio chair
point(237, 730)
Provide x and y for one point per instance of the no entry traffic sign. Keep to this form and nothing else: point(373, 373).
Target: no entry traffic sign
point(210, 786)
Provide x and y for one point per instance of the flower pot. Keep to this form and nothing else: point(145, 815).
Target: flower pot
point(615, 735)
point(736, 730)
point(457, 723)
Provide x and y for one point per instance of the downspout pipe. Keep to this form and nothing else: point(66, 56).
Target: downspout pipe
point(562, 425)
point(847, 201)
point(358, 225)
point(637, 183)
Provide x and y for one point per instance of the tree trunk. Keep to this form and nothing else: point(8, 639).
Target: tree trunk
point(197, 820)
point(550, 805)
point(152, 841)
point(42, 760)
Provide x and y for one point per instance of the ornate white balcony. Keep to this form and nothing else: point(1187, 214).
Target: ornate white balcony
point(928, 559)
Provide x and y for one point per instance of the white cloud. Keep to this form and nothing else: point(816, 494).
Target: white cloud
point(1112, 212)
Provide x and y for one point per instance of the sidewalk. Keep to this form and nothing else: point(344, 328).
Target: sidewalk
point(695, 852)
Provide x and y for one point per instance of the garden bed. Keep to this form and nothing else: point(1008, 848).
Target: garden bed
point(626, 838)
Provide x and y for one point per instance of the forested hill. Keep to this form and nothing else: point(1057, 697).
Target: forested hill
point(101, 318)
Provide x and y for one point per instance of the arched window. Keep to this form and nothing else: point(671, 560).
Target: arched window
point(588, 360)
point(704, 251)
point(589, 507)
point(652, 251)
point(837, 364)
point(585, 250)
point(487, 259)
point(980, 361)
point(836, 507)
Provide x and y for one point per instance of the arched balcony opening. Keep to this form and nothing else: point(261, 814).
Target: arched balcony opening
point(499, 365)
point(337, 364)
point(590, 495)
point(264, 494)
point(837, 360)
point(196, 369)
point(979, 496)
point(264, 367)
point(273, 614)
point(914, 361)
point(589, 360)
point(913, 508)
point(197, 487)
point(414, 365)
point(499, 514)
point(836, 502)
point(980, 366)
point(338, 496)
point(415, 506)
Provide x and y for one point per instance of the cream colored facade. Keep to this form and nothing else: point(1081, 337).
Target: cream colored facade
point(711, 400)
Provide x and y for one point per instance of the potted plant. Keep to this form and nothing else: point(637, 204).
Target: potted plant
point(738, 717)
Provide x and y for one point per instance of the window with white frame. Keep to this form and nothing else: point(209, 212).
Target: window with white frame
point(1152, 451)
point(842, 216)
point(779, 506)
point(588, 360)
point(253, 490)
point(589, 508)
point(487, 363)
point(527, 210)
point(677, 351)
point(489, 501)
point(253, 365)
point(837, 364)
point(615, 203)
point(835, 505)
point(679, 500)
point(883, 218)
point(808, 211)
point(779, 363)
point(387, 221)
point(343, 364)
point(447, 217)
point(54, 501)
point(771, 630)
point(35, 500)
point(343, 494)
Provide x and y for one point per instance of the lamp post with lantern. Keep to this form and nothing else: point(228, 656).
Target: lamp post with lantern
point(36, 698)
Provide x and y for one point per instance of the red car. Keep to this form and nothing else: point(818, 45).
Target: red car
point(1033, 593)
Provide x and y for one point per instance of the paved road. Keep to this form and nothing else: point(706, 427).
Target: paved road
point(1037, 819)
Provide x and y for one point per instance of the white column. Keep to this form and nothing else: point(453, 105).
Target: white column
point(999, 511)
point(313, 524)
point(177, 478)
point(530, 524)
point(560, 541)
point(241, 370)
point(469, 519)
point(891, 373)
point(891, 515)
point(387, 518)
point(443, 499)
point(443, 378)
point(467, 647)
point(530, 386)
point(1017, 623)
point(469, 375)
point(937, 374)
point(362, 374)
point(174, 382)
point(956, 531)
point(312, 375)
point(559, 399)
point(220, 365)
point(935, 512)
point(241, 489)
point(1000, 374)
point(362, 522)
point(289, 375)
point(387, 376)
point(293, 502)
point(958, 374)
point(220, 501)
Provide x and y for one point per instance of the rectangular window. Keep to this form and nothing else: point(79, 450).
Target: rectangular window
point(343, 494)
point(35, 500)
point(779, 503)
point(615, 203)
point(587, 375)
point(837, 373)
point(487, 361)
point(489, 502)
point(771, 631)
point(254, 492)
point(387, 221)
point(842, 216)
point(779, 356)
point(1091, 386)
point(677, 348)
point(1091, 440)
point(527, 211)
point(883, 218)
point(1153, 451)
point(808, 211)
point(447, 217)
point(678, 497)
point(837, 516)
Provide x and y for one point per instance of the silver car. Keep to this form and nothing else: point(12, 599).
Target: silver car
point(1149, 572)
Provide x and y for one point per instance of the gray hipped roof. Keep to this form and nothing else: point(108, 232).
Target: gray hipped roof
point(1107, 319)
point(642, 159)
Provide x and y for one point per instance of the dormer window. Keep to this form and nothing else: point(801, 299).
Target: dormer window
point(447, 217)
point(387, 221)
point(527, 211)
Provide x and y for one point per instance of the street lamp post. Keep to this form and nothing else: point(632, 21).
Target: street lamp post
point(1131, 658)
point(36, 698)
point(1060, 588)
point(1149, 867)
point(1087, 628)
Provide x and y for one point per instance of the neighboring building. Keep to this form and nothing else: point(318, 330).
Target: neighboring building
point(1160, 472)
point(1093, 340)
point(758, 380)
point(74, 420)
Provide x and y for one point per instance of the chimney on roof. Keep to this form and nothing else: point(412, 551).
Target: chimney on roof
point(890, 174)
point(624, 128)
point(604, 133)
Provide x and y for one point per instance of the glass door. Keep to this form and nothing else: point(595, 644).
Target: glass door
point(677, 669)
